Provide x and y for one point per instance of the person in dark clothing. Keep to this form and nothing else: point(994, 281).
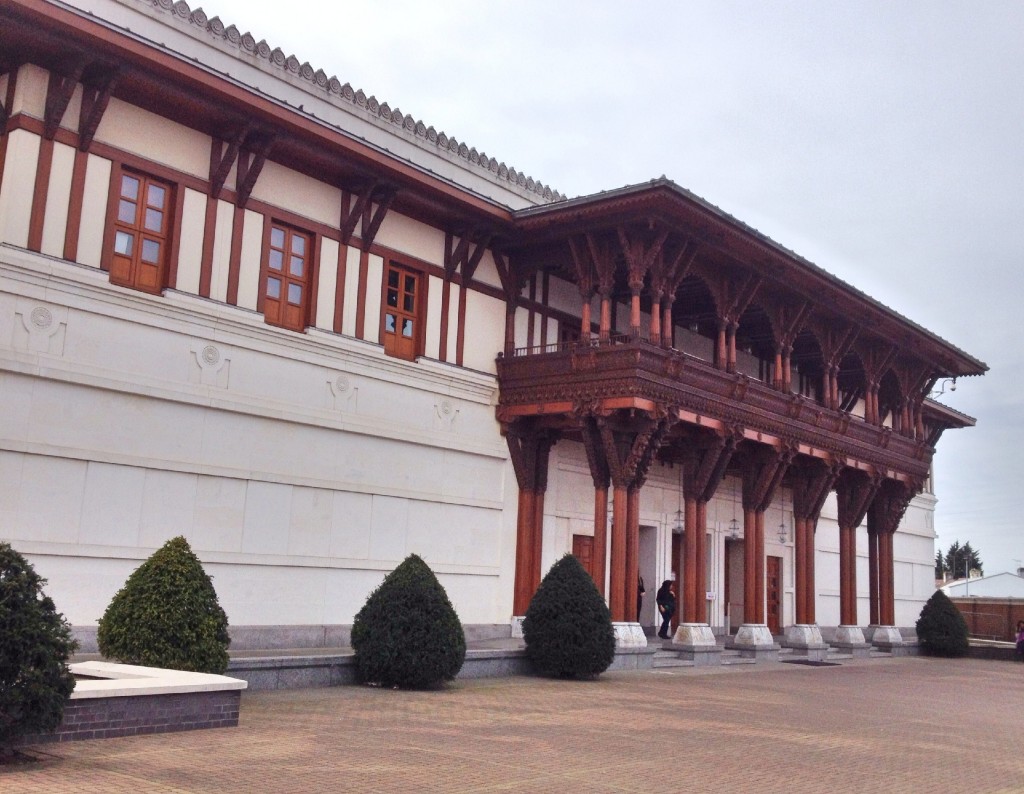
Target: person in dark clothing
point(666, 599)
point(640, 590)
point(1020, 640)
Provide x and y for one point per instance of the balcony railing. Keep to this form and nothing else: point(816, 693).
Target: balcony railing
point(548, 378)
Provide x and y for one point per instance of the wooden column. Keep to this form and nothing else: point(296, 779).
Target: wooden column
point(884, 516)
point(763, 469)
point(524, 552)
point(704, 457)
point(690, 567)
point(812, 482)
point(529, 448)
point(872, 573)
point(599, 561)
point(617, 581)
point(632, 549)
point(627, 443)
point(752, 561)
point(854, 493)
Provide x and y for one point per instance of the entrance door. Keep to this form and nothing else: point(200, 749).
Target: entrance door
point(583, 550)
point(677, 551)
point(773, 582)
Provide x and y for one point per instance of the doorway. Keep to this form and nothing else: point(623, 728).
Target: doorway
point(647, 565)
point(773, 584)
point(583, 550)
point(734, 615)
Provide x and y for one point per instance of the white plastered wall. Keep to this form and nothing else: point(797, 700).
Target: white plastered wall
point(155, 138)
point(327, 285)
point(409, 236)
point(251, 257)
point(18, 186)
point(486, 317)
point(94, 211)
point(301, 468)
point(190, 246)
point(58, 198)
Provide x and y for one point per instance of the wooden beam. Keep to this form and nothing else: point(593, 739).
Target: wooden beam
point(58, 94)
point(96, 93)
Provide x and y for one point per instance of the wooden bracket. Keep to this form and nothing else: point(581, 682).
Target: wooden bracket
point(364, 213)
point(467, 254)
point(249, 169)
point(96, 93)
point(58, 95)
point(223, 157)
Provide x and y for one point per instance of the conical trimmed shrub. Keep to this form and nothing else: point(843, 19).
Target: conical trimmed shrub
point(941, 629)
point(407, 634)
point(167, 615)
point(568, 628)
point(35, 645)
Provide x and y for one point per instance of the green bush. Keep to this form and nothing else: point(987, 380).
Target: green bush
point(407, 634)
point(35, 644)
point(568, 628)
point(941, 629)
point(167, 615)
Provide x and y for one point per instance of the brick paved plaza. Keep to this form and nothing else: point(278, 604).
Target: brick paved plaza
point(910, 724)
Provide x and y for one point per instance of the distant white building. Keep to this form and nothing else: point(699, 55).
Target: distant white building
point(999, 585)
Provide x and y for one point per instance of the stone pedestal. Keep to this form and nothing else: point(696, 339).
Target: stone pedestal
point(755, 641)
point(805, 640)
point(629, 635)
point(889, 639)
point(696, 643)
point(517, 626)
point(850, 639)
point(886, 635)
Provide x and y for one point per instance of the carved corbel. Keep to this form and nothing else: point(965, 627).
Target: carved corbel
point(466, 254)
point(96, 92)
point(222, 158)
point(371, 206)
point(250, 164)
point(58, 95)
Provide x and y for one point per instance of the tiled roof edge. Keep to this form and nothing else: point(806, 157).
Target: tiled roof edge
point(338, 91)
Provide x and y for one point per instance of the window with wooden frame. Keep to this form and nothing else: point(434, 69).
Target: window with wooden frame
point(142, 224)
point(287, 262)
point(402, 314)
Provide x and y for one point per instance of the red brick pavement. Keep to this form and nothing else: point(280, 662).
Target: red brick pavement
point(911, 724)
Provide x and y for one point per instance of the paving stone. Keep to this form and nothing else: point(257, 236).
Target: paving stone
point(868, 725)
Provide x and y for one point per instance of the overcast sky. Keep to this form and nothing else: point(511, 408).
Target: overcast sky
point(883, 141)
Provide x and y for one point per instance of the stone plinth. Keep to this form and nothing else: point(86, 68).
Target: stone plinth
point(696, 642)
point(755, 641)
point(805, 640)
point(850, 639)
point(517, 626)
point(629, 635)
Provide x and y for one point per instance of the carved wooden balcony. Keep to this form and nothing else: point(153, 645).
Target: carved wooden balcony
point(565, 382)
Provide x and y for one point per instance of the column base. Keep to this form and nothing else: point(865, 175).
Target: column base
point(517, 626)
point(696, 642)
point(755, 641)
point(629, 635)
point(805, 640)
point(889, 639)
point(850, 639)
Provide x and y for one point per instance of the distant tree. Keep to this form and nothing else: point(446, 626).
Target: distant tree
point(940, 565)
point(35, 645)
point(959, 560)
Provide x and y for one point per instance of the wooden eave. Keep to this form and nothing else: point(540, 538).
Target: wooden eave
point(542, 232)
point(185, 91)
